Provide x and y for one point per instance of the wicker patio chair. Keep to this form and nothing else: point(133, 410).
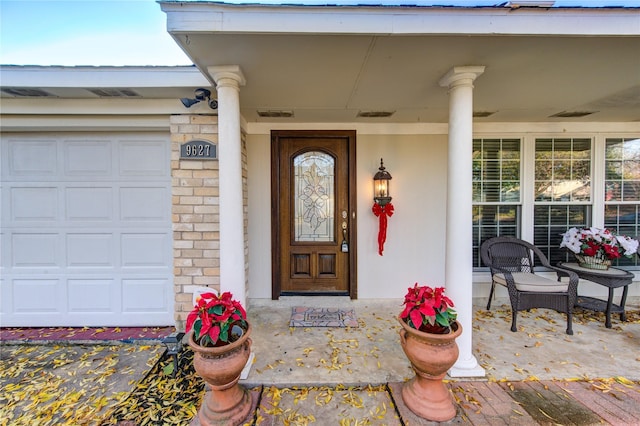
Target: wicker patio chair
point(512, 261)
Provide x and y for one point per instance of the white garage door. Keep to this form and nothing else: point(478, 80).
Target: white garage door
point(86, 230)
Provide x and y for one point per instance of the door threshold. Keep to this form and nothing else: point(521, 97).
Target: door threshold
point(310, 294)
point(318, 301)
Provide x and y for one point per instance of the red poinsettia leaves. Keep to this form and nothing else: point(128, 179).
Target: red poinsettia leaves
point(425, 305)
point(240, 309)
point(213, 333)
point(448, 302)
point(427, 310)
point(207, 296)
point(191, 318)
point(213, 316)
point(416, 318)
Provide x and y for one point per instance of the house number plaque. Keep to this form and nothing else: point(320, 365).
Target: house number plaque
point(198, 150)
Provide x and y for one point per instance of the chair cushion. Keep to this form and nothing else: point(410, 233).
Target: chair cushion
point(532, 282)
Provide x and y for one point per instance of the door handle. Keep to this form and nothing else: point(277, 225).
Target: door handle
point(344, 247)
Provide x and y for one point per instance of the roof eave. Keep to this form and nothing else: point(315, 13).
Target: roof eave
point(214, 17)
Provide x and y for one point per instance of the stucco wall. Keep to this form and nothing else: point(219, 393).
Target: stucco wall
point(414, 250)
point(415, 236)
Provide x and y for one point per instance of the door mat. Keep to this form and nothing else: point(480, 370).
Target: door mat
point(125, 334)
point(302, 316)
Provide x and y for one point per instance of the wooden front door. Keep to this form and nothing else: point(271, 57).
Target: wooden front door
point(313, 221)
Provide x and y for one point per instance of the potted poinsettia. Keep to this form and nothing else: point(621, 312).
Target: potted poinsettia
point(595, 248)
point(428, 309)
point(429, 330)
point(219, 336)
point(217, 320)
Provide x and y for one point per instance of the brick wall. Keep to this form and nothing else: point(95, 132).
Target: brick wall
point(195, 213)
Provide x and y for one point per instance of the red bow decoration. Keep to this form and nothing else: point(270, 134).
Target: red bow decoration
point(382, 212)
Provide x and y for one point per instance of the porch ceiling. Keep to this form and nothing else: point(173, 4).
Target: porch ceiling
point(327, 76)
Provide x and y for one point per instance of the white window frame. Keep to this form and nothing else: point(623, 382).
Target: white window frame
point(527, 167)
point(519, 203)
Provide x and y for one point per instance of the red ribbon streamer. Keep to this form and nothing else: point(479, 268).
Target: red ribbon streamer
point(382, 212)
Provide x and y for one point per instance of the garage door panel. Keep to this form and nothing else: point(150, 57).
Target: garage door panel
point(144, 204)
point(88, 158)
point(36, 250)
point(33, 158)
point(90, 250)
point(144, 250)
point(89, 203)
point(37, 295)
point(91, 295)
point(144, 295)
point(143, 159)
point(34, 203)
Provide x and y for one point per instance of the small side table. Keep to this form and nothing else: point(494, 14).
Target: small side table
point(611, 278)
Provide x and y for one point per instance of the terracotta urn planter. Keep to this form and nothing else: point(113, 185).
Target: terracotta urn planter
point(226, 401)
point(431, 356)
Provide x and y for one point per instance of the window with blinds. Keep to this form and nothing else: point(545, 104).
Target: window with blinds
point(496, 191)
point(562, 192)
point(622, 190)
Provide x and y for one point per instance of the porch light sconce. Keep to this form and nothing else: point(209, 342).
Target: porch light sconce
point(382, 206)
point(381, 194)
point(173, 343)
point(200, 95)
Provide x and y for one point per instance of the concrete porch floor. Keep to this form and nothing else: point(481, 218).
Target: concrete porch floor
point(335, 376)
point(371, 353)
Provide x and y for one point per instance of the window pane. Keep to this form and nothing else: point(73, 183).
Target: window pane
point(563, 170)
point(630, 191)
point(491, 191)
point(511, 149)
point(499, 177)
point(622, 190)
point(581, 193)
point(613, 190)
point(490, 148)
point(631, 149)
point(613, 169)
point(613, 150)
point(491, 221)
point(547, 236)
point(543, 170)
point(624, 219)
point(510, 192)
point(581, 149)
point(577, 216)
point(544, 190)
point(543, 149)
point(314, 196)
point(561, 148)
point(491, 171)
point(580, 169)
point(496, 181)
point(622, 170)
point(511, 170)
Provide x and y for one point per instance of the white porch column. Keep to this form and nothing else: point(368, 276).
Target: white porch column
point(458, 254)
point(232, 258)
